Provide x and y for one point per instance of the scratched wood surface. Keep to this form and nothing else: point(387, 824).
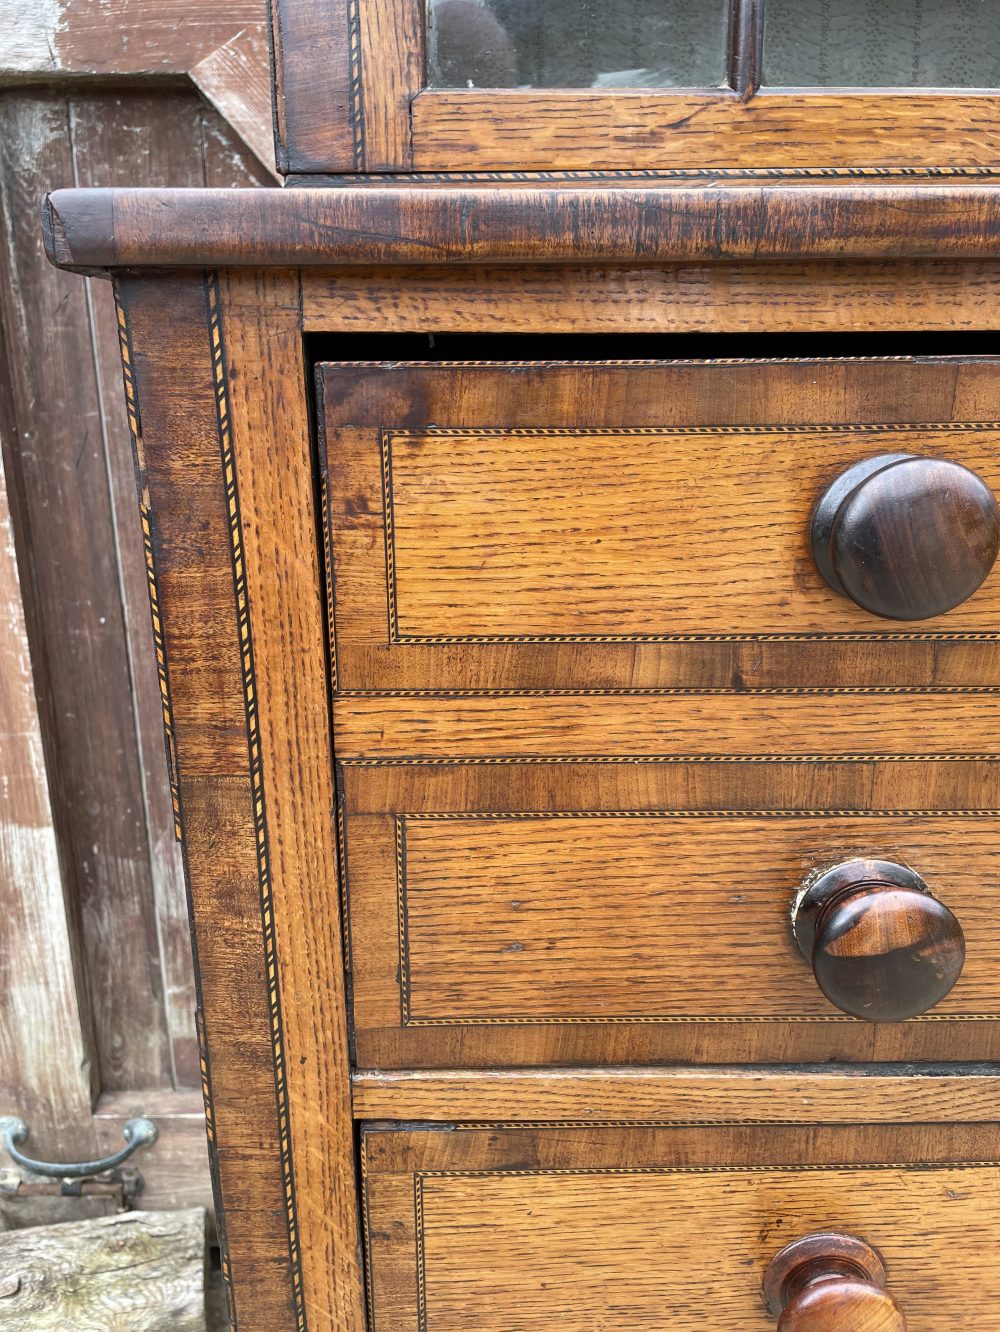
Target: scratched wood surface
point(627, 1226)
point(534, 918)
point(641, 220)
point(591, 1096)
point(515, 130)
point(238, 590)
point(671, 298)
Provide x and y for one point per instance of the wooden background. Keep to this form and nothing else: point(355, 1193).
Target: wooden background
point(97, 998)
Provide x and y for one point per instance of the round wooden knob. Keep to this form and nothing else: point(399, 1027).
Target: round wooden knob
point(831, 1283)
point(881, 946)
point(906, 537)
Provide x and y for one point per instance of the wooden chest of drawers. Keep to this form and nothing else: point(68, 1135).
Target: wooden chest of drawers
point(579, 696)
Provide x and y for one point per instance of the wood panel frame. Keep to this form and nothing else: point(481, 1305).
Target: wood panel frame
point(371, 411)
point(210, 361)
point(789, 1177)
point(362, 62)
point(391, 1030)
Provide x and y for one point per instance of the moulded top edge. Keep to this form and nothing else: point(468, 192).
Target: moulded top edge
point(642, 221)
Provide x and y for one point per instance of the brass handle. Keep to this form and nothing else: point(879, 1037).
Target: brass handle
point(906, 537)
point(831, 1283)
point(881, 946)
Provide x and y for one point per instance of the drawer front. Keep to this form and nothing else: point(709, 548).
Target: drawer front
point(635, 923)
point(595, 525)
point(640, 1228)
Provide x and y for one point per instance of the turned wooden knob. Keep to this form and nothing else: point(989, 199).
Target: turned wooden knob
point(831, 1283)
point(906, 537)
point(880, 945)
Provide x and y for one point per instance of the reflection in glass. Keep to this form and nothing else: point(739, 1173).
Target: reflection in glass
point(576, 43)
point(882, 43)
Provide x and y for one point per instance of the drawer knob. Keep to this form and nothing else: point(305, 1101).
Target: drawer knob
point(881, 946)
point(831, 1283)
point(906, 537)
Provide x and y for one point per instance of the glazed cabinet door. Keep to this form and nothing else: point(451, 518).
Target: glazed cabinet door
point(647, 85)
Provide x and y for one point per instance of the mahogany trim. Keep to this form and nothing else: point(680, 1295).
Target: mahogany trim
point(645, 222)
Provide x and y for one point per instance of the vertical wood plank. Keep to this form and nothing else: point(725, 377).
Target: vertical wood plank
point(46, 1063)
point(183, 494)
point(391, 73)
point(230, 459)
point(59, 468)
point(154, 137)
point(272, 448)
point(314, 44)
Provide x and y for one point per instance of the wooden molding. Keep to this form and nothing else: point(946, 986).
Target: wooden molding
point(235, 78)
point(681, 1095)
point(636, 222)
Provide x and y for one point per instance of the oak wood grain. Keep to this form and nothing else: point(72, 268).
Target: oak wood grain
point(717, 297)
point(389, 65)
point(457, 921)
point(272, 458)
point(661, 725)
point(183, 484)
point(545, 130)
point(813, 785)
point(371, 53)
point(539, 1225)
point(311, 43)
point(595, 1095)
point(469, 501)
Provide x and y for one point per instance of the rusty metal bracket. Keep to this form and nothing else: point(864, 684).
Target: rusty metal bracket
point(108, 1176)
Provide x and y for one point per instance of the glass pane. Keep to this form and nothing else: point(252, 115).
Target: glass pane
point(576, 43)
point(882, 43)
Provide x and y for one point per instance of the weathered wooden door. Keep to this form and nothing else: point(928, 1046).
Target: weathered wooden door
point(97, 987)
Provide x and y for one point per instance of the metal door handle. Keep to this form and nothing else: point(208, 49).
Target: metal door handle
point(137, 1133)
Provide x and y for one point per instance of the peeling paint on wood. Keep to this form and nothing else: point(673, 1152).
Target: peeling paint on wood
point(70, 37)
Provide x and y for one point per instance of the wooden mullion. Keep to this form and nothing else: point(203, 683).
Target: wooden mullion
point(746, 46)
